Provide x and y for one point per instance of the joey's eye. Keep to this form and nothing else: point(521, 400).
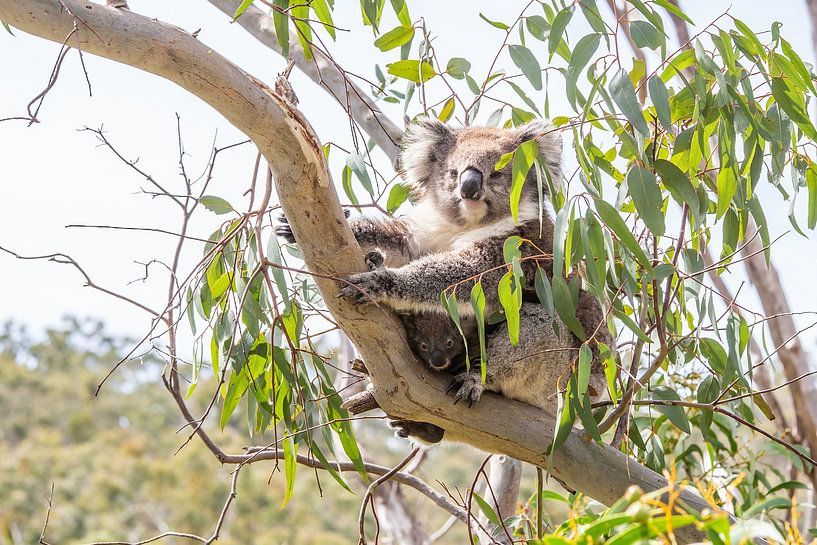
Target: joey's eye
point(423, 347)
point(495, 174)
point(449, 343)
point(453, 173)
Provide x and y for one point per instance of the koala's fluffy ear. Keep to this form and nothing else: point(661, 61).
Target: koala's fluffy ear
point(423, 148)
point(549, 140)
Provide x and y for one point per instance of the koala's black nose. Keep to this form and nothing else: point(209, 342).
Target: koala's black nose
point(437, 359)
point(471, 184)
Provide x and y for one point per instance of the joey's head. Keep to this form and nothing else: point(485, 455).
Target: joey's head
point(436, 340)
point(455, 168)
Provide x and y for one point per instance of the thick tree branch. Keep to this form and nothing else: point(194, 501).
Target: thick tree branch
point(288, 143)
point(324, 71)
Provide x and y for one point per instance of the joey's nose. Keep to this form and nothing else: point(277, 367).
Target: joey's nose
point(471, 184)
point(437, 359)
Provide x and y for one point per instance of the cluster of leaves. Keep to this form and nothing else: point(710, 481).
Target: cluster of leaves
point(657, 182)
point(255, 342)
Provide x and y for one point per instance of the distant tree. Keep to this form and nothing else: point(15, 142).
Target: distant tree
point(671, 147)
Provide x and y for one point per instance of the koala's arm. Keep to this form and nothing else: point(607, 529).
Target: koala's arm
point(391, 236)
point(417, 285)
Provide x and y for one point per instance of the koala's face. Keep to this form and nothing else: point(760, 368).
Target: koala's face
point(455, 168)
point(436, 340)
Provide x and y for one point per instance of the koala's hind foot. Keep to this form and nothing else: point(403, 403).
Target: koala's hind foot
point(417, 432)
point(467, 386)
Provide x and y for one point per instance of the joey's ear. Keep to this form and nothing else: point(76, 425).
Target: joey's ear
point(549, 140)
point(469, 325)
point(423, 148)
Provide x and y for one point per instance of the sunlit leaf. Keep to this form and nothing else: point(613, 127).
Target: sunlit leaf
point(412, 70)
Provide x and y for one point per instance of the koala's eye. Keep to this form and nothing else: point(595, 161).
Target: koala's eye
point(449, 343)
point(423, 347)
point(453, 173)
point(495, 174)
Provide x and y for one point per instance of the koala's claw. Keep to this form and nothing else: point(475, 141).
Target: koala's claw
point(468, 388)
point(365, 287)
point(374, 260)
point(284, 230)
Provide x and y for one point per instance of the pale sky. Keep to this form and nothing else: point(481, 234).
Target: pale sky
point(53, 175)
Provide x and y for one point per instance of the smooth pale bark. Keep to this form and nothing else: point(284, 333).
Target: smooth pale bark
point(310, 202)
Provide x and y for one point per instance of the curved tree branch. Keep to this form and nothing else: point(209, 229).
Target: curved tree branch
point(285, 138)
point(324, 71)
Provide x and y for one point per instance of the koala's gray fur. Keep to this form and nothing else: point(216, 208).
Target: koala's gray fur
point(534, 370)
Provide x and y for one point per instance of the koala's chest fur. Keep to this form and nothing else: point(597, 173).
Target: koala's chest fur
point(433, 232)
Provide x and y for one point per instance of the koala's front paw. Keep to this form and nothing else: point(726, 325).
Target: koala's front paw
point(284, 230)
point(367, 287)
point(374, 259)
point(467, 387)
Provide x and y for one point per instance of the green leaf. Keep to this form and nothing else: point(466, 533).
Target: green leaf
point(346, 181)
point(727, 186)
point(412, 70)
point(811, 183)
point(678, 185)
point(543, 291)
point(611, 218)
point(583, 377)
point(397, 196)
point(644, 190)
point(394, 38)
point(623, 94)
point(497, 24)
point(537, 27)
point(372, 12)
point(487, 510)
point(675, 10)
point(565, 422)
point(290, 465)
point(566, 307)
point(242, 8)
point(793, 103)
point(558, 29)
point(708, 390)
point(582, 54)
point(478, 304)
point(675, 414)
point(660, 99)
point(510, 297)
point(646, 35)
point(457, 67)
point(523, 159)
point(524, 59)
point(281, 23)
point(324, 15)
point(766, 505)
point(448, 109)
point(7, 27)
point(358, 166)
point(714, 354)
point(216, 204)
